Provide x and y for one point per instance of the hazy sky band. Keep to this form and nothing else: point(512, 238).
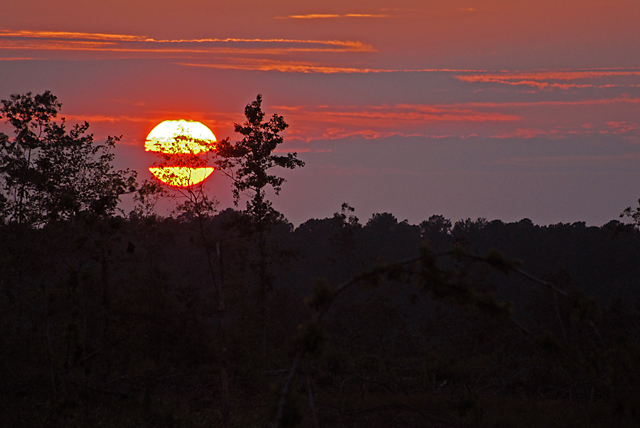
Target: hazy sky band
point(538, 98)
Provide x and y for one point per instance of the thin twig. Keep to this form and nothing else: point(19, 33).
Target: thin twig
point(314, 415)
point(521, 327)
point(285, 388)
point(540, 281)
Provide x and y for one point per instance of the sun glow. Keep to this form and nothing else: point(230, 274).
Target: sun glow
point(182, 144)
point(180, 136)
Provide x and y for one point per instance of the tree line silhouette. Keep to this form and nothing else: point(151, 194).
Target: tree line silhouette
point(237, 318)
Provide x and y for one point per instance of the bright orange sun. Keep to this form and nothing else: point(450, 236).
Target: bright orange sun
point(180, 142)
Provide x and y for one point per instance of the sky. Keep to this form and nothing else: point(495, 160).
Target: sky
point(500, 109)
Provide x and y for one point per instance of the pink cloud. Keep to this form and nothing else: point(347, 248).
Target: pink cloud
point(622, 127)
point(548, 79)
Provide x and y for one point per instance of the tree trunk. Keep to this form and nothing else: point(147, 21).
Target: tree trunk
point(222, 332)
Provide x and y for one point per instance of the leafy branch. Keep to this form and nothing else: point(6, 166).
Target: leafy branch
point(442, 284)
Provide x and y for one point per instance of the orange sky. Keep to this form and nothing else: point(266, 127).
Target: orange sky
point(532, 108)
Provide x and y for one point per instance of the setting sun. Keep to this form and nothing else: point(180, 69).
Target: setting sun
point(180, 136)
point(180, 142)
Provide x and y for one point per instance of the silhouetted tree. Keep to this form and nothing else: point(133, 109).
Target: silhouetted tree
point(633, 214)
point(436, 230)
point(195, 208)
point(48, 173)
point(249, 160)
point(248, 163)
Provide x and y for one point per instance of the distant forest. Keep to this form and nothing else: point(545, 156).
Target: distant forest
point(236, 318)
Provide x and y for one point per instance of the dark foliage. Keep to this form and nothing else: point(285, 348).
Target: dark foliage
point(111, 321)
point(48, 173)
point(249, 160)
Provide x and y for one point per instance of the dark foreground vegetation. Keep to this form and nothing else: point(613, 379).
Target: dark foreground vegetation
point(112, 322)
point(237, 318)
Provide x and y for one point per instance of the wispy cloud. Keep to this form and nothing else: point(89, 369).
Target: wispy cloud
point(19, 59)
point(382, 121)
point(521, 120)
point(121, 43)
point(310, 16)
point(552, 79)
point(258, 64)
point(386, 115)
point(588, 102)
point(365, 15)
point(622, 127)
point(132, 38)
point(333, 16)
point(282, 66)
point(70, 35)
point(105, 118)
